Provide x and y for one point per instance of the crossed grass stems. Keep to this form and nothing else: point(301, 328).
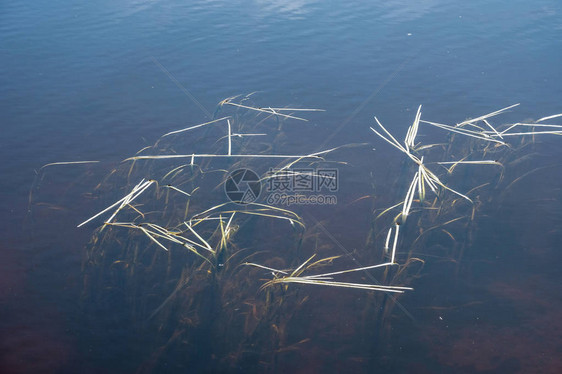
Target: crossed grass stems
point(477, 128)
point(188, 235)
point(222, 215)
point(206, 238)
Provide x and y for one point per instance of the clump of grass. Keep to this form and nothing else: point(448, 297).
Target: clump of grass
point(190, 265)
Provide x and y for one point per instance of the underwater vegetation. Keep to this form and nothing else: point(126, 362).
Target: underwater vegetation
point(211, 284)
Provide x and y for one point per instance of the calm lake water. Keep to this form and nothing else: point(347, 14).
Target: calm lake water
point(101, 80)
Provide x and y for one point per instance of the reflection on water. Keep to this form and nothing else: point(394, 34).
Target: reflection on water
point(81, 82)
point(408, 11)
point(289, 8)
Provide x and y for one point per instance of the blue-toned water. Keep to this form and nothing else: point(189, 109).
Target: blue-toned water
point(100, 80)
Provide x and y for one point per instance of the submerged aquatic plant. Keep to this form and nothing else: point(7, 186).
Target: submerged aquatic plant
point(197, 269)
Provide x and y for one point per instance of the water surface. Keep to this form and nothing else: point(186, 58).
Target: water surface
point(99, 81)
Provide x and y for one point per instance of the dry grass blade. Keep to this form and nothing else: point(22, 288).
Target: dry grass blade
point(391, 140)
point(463, 162)
point(174, 170)
point(318, 282)
point(194, 155)
point(206, 244)
point(423, 173)
point(413, 131)
point(395, 244)
point(290, 164)
point(68, 163)
point(265, 267)
point(297, 109)
point(559, 132)
point(137, 191)
point(493, 129)
point(152, 238)
point(481, 162)
point(550, 117)
point(543, 125)
point(236, 135)
point(261, 210)
point(301, 268)
point(143, 185)
point(292, 221)
point(349, 271)
point(266, 110)
point(485, 116)
point(421, 183)
point(473, 134)
point(434, 179)
point(195, 127)
point(409, 197)
point(177, 189)
point(325, 279)
point(229, 138)
point(389, 209)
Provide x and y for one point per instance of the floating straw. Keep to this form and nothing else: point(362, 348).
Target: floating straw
point(194, 127)
point(413, 131)
point(229, 138)
point(550, 117)
point(395, 244)
point(485, 116)
point(267, 110)
point(67, 163)
point(386, 243)
point(141, 187)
